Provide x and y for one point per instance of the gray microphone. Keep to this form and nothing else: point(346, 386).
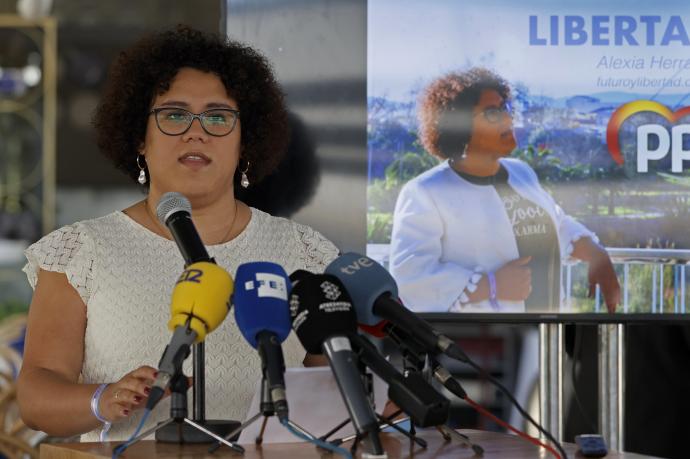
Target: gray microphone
point(344, 365)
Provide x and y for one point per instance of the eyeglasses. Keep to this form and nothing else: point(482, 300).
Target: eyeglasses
point(217, 122)
point(494, 114)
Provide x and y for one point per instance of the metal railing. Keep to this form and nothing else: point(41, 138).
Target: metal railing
point(627, 259)
point(630, 258)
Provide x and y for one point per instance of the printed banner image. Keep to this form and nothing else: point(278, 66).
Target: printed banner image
point(506, 139)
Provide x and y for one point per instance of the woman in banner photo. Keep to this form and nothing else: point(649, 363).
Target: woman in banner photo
point(182, 111)
point(477, 233)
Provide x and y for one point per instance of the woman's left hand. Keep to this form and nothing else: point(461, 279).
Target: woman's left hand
point(600, 271)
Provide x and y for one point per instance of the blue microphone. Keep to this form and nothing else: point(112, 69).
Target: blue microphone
point(263, 317)
point(375, 297)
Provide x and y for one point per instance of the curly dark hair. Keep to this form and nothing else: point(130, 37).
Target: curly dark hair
point(147, 69)
point(445, 109)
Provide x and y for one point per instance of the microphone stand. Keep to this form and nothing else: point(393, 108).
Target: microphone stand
point(197, 429)
point(266, 409)
point(367, 378)
point(360, 436)
point(385, 422)
point(179, 428)
point(415, 359)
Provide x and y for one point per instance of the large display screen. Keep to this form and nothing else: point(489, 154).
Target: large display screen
point(585, 107)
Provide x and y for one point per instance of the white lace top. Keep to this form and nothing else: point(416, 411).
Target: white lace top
point(125, 274)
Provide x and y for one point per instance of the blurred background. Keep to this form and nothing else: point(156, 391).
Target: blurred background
point(53, 64)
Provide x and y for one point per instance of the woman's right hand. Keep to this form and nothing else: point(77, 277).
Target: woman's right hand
point(514, 280)
point(130, 393)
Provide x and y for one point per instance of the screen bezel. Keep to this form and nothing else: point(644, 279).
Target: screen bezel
point(338, 87)
point(450, 318)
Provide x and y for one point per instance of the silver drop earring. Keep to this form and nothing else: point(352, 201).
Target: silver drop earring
point(142, 173)
point(464, 152)
point(244, 180)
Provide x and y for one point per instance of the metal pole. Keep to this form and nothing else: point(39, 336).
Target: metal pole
point(551, 378)
point(612, 384)
point(654, 276)
point(626, 277)
point(199, 389)
point(682, 288)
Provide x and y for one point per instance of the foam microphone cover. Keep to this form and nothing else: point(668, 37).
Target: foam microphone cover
point(320, 307)
point(366, 281)
point(298, 275)
point(201, 298)
point(260, 300)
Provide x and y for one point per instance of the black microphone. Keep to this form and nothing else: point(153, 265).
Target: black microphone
point(324, 319)
point(174, 211)
point(409, 391)
point(374, 294)
point(410, 348)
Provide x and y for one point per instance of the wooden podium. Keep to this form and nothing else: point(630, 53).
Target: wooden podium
point(496, 445)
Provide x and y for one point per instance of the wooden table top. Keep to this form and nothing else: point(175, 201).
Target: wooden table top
point(495, 445)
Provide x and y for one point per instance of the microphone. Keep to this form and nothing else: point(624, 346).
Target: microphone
point(262, 315)
point(174, 211)
point(409, 391)
point(200, 302)
point(374, 294)
point(324, 319)
point(200, 299)
point(412, 350)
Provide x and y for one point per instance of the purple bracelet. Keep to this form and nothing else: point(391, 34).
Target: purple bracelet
point(492, 290)
point(95, 400)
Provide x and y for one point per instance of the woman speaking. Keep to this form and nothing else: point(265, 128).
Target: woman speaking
point(187, 112)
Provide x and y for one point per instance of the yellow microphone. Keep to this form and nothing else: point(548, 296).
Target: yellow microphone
point(201, 299)
point(200, 302)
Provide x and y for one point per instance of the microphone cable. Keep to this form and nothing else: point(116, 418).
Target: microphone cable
point(484, 412)
point(118, 450)
point(320, 443)
point(397, 339)
point(517, 405)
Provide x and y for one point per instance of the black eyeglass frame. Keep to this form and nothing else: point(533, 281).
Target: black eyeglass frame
point(493, 114)
point(199, 116)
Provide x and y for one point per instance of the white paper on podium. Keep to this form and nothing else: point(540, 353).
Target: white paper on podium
point(315, 405)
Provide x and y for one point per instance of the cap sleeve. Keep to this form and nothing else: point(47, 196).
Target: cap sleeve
point(67, 250)
point(318, 251)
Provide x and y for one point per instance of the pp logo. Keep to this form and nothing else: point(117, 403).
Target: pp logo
point(667, 143)
point(330, 290)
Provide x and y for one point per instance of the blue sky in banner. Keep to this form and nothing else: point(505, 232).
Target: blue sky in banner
point(631, 47)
